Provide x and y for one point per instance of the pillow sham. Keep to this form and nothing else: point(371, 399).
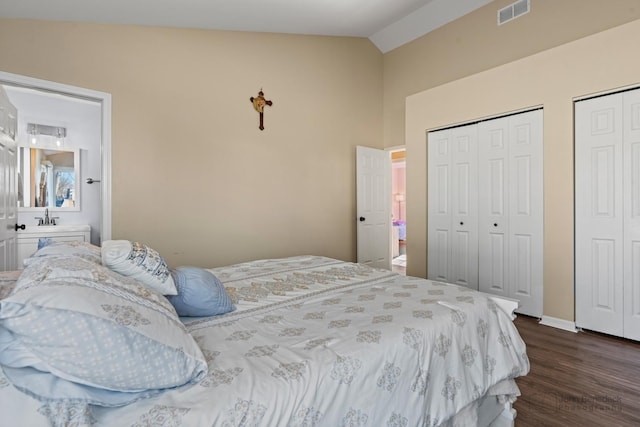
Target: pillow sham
point(139, 261)
point(72, 329)
point(200, 293)
point(74, 248)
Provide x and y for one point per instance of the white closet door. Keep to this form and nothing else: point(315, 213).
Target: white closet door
point(631, 235)
point(453, 201)
point(486, 209)
point(599, 214)
point(493, 219)
point(525, 209)
point(510, 212)
point(439, 201)
point(464, 207)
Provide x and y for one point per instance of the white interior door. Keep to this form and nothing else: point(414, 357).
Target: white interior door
point(8, 203)
point(373, 207)
point(599, 214)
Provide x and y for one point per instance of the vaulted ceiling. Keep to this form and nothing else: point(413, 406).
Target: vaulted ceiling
point(387, 23)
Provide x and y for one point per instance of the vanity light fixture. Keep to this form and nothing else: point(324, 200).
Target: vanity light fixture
point(33, 136)
point(35, 130)
point(59, 136)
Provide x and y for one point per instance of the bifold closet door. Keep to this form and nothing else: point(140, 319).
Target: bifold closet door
point(607, 214)
point(453, 199)
point(485, 215)
point(599, 214)
point(510, 209)
point(631, 196)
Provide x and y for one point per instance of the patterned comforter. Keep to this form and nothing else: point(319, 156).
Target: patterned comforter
point(320, 342)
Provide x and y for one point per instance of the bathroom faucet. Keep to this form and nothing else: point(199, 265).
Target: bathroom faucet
point(46, 220)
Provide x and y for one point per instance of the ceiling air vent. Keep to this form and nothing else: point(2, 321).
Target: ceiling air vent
point(512, 11)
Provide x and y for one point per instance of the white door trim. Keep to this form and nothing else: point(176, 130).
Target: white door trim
point(104, 99)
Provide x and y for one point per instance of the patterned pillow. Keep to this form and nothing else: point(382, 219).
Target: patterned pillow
point(74, 248)
point(200, 293)
point(73, 329)
point(139, 261)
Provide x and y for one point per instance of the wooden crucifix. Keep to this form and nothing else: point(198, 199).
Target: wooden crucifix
point(258, 103)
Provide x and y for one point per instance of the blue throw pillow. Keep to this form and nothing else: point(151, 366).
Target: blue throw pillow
point(44, 241)
point(200, 293)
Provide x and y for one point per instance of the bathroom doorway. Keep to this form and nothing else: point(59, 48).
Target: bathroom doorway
point(86, 116)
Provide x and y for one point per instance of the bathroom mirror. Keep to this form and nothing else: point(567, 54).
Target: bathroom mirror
point(47, 178)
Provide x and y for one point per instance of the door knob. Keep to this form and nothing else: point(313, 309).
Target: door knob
point(20, 227)
point(91, 180)
point(362, 218)
point(461, 223)
point(495, 224)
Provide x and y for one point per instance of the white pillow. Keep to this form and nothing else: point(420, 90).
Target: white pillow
point(140, 262)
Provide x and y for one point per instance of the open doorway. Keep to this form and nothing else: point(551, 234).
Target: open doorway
point(399, 210)
point(70, 108)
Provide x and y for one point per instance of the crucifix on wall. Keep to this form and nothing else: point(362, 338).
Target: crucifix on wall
point(258, 103)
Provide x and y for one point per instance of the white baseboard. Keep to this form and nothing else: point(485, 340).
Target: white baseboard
point(554, 322)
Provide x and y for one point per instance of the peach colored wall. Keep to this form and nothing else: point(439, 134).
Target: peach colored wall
point(551, 79)
point(398, 186)
point(192, 174)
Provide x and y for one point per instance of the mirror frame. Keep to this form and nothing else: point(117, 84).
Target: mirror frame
point(76, 171)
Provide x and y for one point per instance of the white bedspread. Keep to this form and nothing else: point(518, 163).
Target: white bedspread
point(320, 342)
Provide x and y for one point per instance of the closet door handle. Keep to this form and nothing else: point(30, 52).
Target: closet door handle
point(20, 227)
point(495, 224)
point(461, 223)
point(362, 219)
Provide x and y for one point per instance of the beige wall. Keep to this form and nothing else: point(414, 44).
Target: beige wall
point(192, 174)
point(475, 43)
point(551, 79)
point(195, 178)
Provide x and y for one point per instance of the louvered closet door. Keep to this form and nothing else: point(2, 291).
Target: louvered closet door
point(599, 214)
point(510, 209)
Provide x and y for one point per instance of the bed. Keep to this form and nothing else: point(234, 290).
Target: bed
point(309, 341)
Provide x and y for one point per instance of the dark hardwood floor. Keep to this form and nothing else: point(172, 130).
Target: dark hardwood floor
point(584, 379)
